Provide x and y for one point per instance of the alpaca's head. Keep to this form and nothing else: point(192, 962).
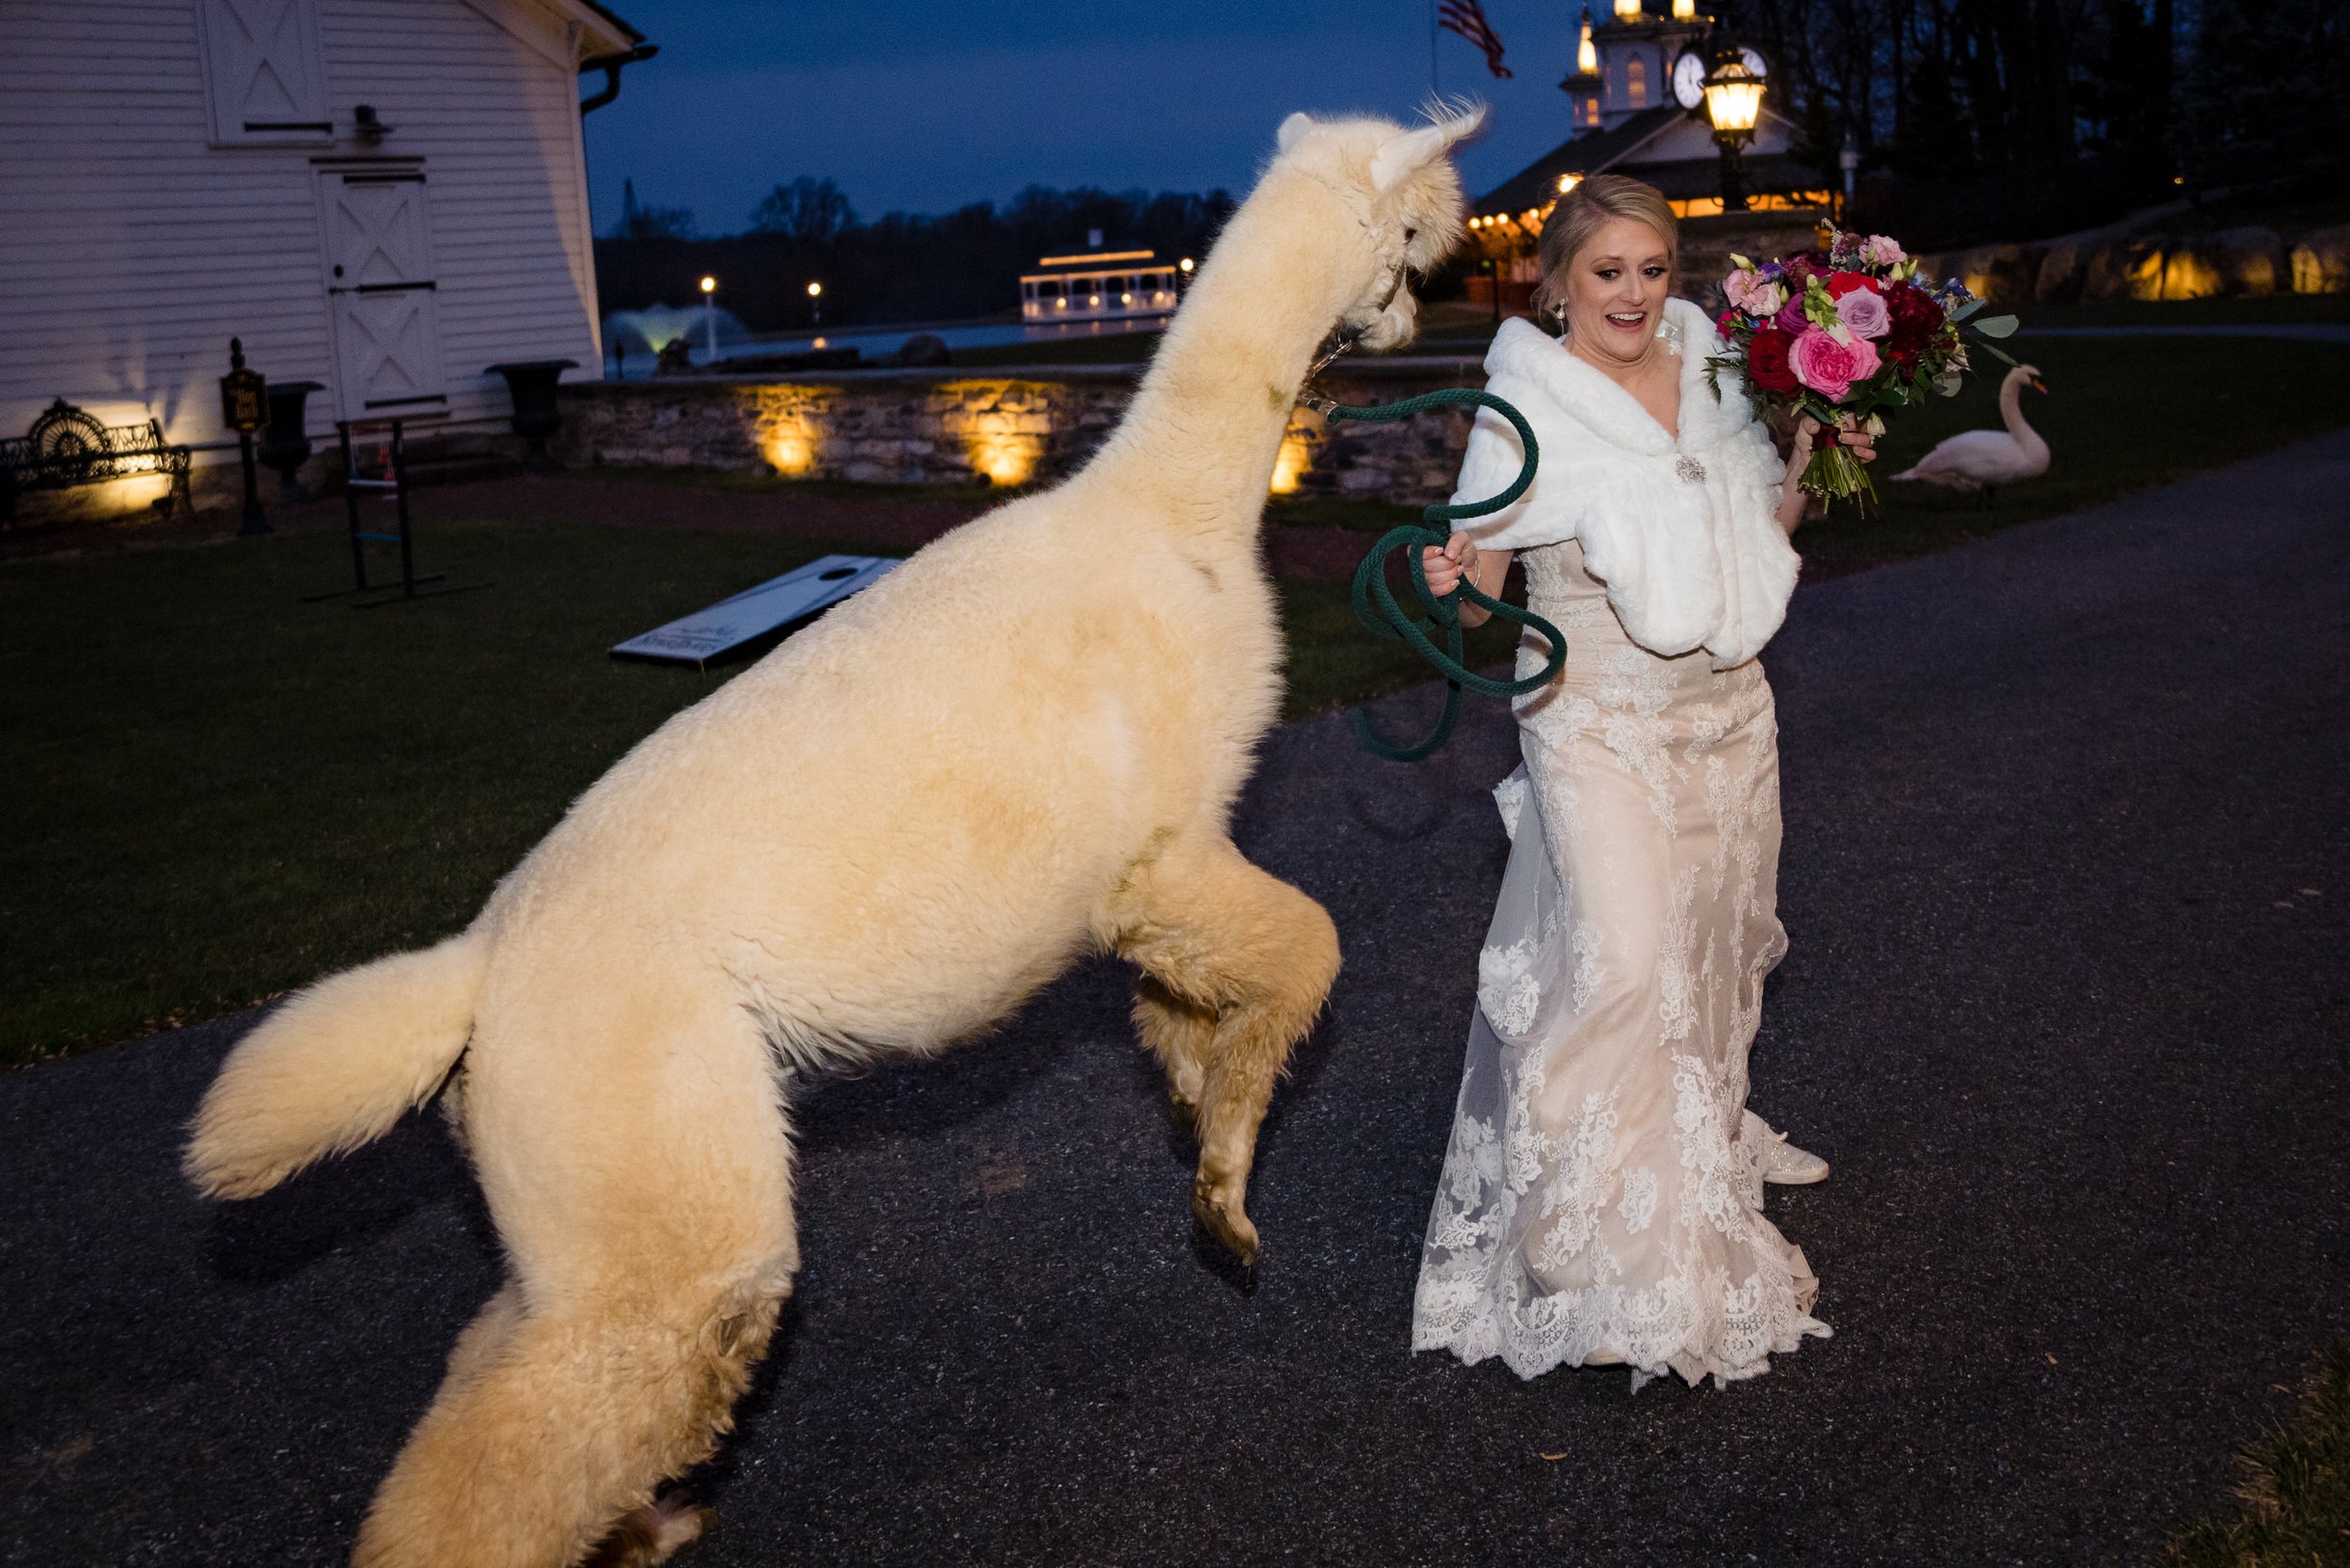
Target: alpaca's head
point(1399, 187)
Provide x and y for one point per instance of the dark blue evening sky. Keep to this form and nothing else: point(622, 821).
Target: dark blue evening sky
point(923, 106)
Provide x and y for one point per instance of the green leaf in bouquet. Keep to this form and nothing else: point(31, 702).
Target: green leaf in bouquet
point(1999, 355)
point(1950, 380)
point(1998, 326)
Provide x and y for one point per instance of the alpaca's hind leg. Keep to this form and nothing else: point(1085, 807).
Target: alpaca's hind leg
point(1181, 1034)
point(644, 1197)
point(1228, 942)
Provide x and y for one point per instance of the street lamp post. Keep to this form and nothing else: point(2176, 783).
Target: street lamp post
point(1849, 161)
point(1734, 104)
point(815, 303)
point(710, 316)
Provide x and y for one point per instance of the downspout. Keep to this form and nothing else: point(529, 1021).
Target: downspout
point(610, 65)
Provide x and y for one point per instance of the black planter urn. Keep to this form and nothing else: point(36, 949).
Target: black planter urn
point(531, 384)
point(285, 446)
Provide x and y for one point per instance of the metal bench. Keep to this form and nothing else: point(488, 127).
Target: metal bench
point(66, 448)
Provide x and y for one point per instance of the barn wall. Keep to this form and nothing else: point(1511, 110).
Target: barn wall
point(134, 249)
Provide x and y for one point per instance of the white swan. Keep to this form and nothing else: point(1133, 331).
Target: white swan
point(1985, 460)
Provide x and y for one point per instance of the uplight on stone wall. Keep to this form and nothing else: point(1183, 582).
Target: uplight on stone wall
point(789, 427)
point(1296, 459)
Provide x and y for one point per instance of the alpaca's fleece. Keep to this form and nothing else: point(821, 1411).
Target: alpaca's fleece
point(1020, 745)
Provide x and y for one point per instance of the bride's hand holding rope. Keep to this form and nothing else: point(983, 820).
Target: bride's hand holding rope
point(1459, 558)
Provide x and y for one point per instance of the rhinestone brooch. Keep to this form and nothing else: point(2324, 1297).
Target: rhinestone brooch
point(1690, 469)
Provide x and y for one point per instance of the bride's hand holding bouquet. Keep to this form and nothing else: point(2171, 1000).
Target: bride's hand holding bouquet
point(1829, 339)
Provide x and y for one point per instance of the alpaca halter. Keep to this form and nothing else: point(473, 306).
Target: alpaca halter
point(1388, 620)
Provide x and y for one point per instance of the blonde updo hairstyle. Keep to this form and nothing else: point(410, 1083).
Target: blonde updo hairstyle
point(1582, 213)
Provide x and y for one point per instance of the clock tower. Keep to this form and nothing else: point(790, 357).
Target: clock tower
point(1626, 63)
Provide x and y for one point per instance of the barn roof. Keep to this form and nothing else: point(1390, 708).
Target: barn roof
point(1622, 149)
point(617, 20)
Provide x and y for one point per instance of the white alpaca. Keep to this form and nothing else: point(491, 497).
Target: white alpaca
point(1985, 460)
point(1023, 745)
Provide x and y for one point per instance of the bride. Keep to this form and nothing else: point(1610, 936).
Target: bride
point(1602, 1198)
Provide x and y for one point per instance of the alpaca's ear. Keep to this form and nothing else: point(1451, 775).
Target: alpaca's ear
point(1449, 124)
point(1292, 128)
point(1402, 154)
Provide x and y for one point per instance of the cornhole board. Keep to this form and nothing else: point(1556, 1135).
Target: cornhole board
point(755, 616)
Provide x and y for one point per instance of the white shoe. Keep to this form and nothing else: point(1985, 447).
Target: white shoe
point(1787, 1166)
point(1603, 1357)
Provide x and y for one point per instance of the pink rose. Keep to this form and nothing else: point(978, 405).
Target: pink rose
point(1883, 251)
point(1753, 293)
point(1863, 311)
point(1830, 368)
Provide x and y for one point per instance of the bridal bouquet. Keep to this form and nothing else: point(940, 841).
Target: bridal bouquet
point(1846, 331)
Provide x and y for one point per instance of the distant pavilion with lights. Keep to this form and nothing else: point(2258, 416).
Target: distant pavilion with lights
point(1636, 101)
point(1098, 286)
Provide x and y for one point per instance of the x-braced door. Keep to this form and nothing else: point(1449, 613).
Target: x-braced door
point(379, 278)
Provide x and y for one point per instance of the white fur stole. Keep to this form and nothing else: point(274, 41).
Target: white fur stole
point(1683, 533)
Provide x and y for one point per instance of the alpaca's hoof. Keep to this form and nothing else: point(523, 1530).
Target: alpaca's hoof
point(1225, 1219)
point(645, 1536)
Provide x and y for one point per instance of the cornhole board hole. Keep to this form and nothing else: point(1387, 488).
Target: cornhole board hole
point(755, 618)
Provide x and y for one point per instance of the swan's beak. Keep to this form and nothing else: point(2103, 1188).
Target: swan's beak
point(2039, 385)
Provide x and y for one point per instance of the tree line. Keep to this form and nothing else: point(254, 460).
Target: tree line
point(896, 268)
point(2036, 111)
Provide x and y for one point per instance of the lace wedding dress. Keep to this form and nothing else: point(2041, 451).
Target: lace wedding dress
point(1602, 1190)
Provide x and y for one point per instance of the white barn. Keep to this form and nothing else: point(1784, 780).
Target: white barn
point(387, 197)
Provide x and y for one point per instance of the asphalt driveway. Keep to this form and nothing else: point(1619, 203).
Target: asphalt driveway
point(2065, 875)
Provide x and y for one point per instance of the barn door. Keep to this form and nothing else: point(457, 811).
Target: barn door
point(264, 71)
point(379, 276)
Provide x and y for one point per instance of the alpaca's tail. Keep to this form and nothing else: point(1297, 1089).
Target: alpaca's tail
point(336, 1067)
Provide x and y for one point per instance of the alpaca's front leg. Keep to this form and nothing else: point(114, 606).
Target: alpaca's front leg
point(1227, 942)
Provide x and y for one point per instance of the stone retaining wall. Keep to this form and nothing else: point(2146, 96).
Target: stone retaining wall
point(2119, 263)
point(951, 427)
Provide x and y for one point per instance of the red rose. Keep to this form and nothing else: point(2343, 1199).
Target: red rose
point(1917, 316)
point(1766, 361)
point(1840, 284)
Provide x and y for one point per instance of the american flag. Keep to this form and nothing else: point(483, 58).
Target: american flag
point(1468, 18)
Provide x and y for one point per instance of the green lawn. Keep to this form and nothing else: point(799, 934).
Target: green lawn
point(2296, 1491)
point(1457, 328)
point(2120, 415)
point(1119, 348)
point(216, 791)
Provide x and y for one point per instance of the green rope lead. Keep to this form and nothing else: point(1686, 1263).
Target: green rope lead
point(1375, 605)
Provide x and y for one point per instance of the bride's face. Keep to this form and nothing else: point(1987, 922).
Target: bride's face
point(1614, 291)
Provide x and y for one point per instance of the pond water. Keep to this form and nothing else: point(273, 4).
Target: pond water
point(876, 341)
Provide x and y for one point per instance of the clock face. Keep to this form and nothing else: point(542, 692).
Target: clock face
point(1689, 79)
point(1689, 75)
